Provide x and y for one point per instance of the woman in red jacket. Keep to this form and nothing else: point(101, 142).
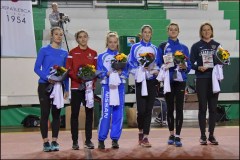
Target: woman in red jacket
point(80, 56)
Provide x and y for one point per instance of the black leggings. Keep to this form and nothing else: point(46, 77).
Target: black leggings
point(206, 98)
point(176, 95)
point(77, 97)
point(46, 106)
point(145, 105)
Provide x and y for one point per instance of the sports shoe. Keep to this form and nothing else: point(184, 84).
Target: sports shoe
point(158, 120)
point(203, 140)
point(101, 145)
point(178, 142)
point(75, 145)
point(212, 140)
point(55, 146)
point(171, 140)
point(115, 144)
point(47, 147)
point(89, 145)
point(164, 123)
point(145, 143)
point(140, 138)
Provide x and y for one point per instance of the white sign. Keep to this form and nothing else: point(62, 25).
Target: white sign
point(17, 31)
point(131, 41)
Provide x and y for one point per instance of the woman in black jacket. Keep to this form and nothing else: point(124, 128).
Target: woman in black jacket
point(202, 53)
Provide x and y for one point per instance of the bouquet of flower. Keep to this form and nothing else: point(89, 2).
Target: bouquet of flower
point(87, 72)
point(179, 57)
point(119, 61)
point(146, 59)
point(58, 74)
point(222, 57)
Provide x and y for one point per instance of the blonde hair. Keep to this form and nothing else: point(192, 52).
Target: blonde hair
point(81, 31)
point(146, 26)
point(55, 28)
point(54, 4)
point(173, 24)
point(112, 34)
point(201, 28)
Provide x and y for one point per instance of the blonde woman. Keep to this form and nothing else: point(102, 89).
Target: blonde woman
point(111, 113)
point(49, 56)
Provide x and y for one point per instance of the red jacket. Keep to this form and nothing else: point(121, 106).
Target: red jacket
point(76, 58)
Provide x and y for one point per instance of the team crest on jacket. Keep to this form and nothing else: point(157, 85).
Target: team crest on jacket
point(213, 46)
point(90, 56)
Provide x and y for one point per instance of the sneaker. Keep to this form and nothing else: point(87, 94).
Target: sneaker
point(89, 145)
point(171, 140)
point(115, 144)
point(101, 145)
point(203, 140)
point(55, 146)
point(75, 145)
point(47, 147)
point(140, 138)
point(178, 142)
point(158, 120)
point(145, 143)
point(164, 123)
point(212, 140)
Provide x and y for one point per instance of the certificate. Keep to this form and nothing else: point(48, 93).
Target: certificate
point(207, 60)
point(168, 60)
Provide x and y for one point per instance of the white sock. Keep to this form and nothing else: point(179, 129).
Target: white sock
point(145, 136)
point(177, 136)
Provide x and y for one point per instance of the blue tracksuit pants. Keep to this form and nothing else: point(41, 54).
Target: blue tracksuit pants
point(112, 114)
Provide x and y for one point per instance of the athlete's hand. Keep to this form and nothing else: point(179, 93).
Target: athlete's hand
point(202, 69)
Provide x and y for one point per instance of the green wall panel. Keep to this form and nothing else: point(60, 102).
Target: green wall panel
point(13, 116)
point(231, 12)
point(39, 15)
point(229, 5)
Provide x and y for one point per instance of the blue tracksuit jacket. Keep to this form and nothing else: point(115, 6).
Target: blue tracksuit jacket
point(110, 112)
point(47, 58)
point(143, 47)
point(171, 47)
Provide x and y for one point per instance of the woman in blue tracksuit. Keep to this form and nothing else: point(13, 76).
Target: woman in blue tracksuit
point(110, 113)
point(177, 85)
point(145, 101)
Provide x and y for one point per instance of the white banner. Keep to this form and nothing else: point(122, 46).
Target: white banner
point(17, 31)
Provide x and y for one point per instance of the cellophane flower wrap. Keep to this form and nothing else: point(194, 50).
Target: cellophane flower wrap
point(58, 74)
point(119, 61)
point(222, 57)
point(146, 59)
